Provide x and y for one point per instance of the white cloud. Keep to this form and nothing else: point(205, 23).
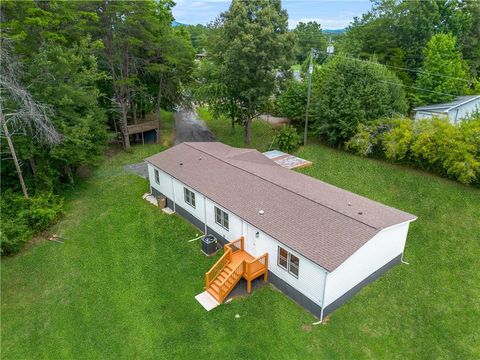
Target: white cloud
point(339, 22)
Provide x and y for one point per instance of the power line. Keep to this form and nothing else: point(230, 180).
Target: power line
point(411, 70)
point(415, 87)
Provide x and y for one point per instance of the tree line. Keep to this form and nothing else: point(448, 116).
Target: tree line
point(72, 75)
point(91, 66)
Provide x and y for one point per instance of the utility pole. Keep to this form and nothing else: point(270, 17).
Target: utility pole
point(310, 71)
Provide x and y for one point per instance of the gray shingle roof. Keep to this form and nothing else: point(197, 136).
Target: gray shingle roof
point(324, 223)
point(447, 106)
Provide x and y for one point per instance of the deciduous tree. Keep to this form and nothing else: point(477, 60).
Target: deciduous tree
point(348, 92)
point(254, 48)
point(444, 72)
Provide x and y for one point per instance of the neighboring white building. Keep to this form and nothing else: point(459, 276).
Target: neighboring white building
point(455, 111)
point(323, 243)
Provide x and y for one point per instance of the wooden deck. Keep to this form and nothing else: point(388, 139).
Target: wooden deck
point(231, 267)
point(239, 256)
point(142, 127)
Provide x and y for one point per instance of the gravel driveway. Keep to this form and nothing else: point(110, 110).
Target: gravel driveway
point(188, 127)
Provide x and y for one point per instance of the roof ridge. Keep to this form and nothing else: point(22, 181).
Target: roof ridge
point(282, 187)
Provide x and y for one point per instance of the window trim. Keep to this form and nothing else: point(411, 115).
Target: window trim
point(223, 215)
point(289, 262)
point(189, 194)
point(280, 256)
point(156, 175)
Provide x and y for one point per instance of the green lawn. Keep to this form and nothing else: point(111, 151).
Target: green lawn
point(262, 132)
point(123, 284)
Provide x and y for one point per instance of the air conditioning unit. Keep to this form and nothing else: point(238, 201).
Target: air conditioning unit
point(209, 245)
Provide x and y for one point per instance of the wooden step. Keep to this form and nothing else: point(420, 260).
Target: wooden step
point(218, 282)
point(216, 287)
point(214, 293)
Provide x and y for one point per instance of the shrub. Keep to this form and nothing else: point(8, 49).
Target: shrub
point(14, 234)
point(348, 92)
point(432, 144)
point(287, 139)
point(293, 101)
point(22, 218)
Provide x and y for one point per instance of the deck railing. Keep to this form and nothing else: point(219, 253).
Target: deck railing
point(248, 269)
point(236, 245)
point(218, 267)
point(230, 281)
point(256, 266)
point(142, 126)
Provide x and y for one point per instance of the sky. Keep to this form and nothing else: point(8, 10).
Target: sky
point(330, 14)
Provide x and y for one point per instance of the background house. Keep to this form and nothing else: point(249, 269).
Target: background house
point(455, 110)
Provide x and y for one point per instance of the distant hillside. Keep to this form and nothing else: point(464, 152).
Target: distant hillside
point(334, 31)
point(176, 23)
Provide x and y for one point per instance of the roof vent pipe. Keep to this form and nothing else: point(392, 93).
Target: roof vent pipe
point(261, 212)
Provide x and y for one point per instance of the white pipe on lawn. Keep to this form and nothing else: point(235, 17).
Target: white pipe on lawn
point(403, 261)
point(201, 236)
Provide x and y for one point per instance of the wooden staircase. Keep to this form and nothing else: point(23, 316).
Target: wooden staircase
point(234, 264)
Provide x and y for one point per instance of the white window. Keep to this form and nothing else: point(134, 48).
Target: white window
point(288, 261)
point(157, 176)
point(189, 197)
point(221, 218)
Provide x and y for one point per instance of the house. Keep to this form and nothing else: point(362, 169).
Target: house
point(319, 244)
point(455, 110)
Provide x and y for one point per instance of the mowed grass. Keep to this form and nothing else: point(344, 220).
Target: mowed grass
point(261, 132)
point(123, 284)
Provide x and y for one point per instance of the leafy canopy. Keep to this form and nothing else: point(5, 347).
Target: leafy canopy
point(443, 73)
point(254, 47)
point(348, 92)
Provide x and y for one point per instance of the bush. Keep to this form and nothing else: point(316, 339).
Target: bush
point(287, 139)
point(347, 92)
point(293, 101)
point(431, 144)
point(22, 218)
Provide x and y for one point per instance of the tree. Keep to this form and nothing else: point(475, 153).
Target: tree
point(254, 48)
point(395, 33)
point(444, 72)
point(20, 112)
point(66, 78)
point(292, 102)
point(309, 36)
point(130, 32)
point(348, 92)
point(471, 38)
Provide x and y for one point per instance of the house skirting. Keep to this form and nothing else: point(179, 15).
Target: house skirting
point(316, 309)
point(281, 285)
point(295, 295)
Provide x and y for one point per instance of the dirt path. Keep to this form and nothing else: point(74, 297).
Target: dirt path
point(188, 127)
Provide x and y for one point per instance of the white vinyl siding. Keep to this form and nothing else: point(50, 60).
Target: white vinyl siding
point(382, 248)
